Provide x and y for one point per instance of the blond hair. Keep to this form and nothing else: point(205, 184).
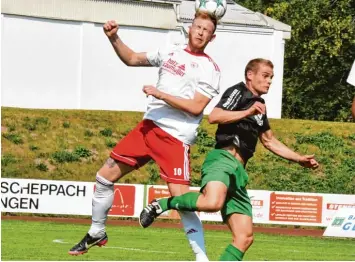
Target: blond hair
point(253, 65)
point(205, 15)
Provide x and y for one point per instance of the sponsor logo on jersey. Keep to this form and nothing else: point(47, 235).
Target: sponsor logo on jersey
point(259, 119)
point(174, 68)
point(232, 100)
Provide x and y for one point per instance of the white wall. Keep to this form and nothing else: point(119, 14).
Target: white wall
point(71, 65)
point(233, 50)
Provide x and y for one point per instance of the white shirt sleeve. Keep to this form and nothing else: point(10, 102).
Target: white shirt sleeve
point(209, 85)
point(351, 77)
point(155, 57)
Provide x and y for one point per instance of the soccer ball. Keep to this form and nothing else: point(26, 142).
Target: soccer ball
point(214, 7)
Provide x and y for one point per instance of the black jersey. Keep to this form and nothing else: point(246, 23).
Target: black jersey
point(245, 133)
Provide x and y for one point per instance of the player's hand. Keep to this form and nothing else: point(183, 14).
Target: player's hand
point(308, 161)
point(257, 108)
point(110, 28)
point(153, 91)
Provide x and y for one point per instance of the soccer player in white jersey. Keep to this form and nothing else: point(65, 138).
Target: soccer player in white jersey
point(351, 81)
point(188, 80)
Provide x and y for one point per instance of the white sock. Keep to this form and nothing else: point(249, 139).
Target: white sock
point(101, 204)
point(194, 233)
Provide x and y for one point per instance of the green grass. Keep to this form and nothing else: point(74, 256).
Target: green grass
point(74, 144)
point(24, 240)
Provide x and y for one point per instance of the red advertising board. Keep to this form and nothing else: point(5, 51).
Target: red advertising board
point(295, 208)
point(123, 202)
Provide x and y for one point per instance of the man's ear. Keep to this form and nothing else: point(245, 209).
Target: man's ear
point(213, 37)
point(249, 74)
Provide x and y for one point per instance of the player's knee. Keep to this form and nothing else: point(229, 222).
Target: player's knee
point(214, 205)
point(244, 241)
point(113, 170)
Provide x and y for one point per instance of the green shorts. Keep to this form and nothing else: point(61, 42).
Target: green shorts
point(220, 165)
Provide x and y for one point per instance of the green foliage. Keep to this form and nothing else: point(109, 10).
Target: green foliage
point(65, 156)
point(88, 133)
point(318, 57)
point(33, 147)
point(204, 141)
point(11, 127)
point(107, 132)
point(42, 167)
point(66, 124)
point(42, 121)
point(29, 126)
point(153, 172)
point(7, 159)
point(81, 151)
point(110, 143)
point(14, 138)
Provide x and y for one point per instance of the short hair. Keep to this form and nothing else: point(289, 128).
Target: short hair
point(253, 65)
point(205, 15)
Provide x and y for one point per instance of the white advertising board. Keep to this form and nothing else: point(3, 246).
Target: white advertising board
point(342, 224)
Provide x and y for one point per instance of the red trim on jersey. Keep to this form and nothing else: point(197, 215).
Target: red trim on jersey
point(214, 63)
point(205, 55)
point(196, 54)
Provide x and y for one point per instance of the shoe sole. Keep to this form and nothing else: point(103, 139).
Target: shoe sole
point(77, 253)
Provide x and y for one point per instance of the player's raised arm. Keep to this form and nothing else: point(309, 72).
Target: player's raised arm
point(127, 55)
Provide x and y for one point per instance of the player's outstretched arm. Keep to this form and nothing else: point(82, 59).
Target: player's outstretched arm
point(193, 106)
point(270, 142)
point(127, 55)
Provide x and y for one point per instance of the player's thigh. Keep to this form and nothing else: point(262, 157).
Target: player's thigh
point(237, 202)
point(132, 150)
point(214, 195)
point(172, 156)
point(113, 170)
point(178, 189)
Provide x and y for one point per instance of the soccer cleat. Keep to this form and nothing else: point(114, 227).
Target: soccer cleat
point(86, 243)
point(149, 213)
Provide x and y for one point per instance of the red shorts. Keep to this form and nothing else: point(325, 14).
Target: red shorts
point(148, 141)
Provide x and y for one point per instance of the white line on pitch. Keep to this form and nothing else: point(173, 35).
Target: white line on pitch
point(143, 250)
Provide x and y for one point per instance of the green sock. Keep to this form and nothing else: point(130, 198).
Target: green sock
point(231, 253)
point(185, 202)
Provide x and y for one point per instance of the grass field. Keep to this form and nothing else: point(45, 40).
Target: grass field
point(24, 240)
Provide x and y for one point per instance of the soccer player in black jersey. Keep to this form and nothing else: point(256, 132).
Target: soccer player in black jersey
point(241, 118)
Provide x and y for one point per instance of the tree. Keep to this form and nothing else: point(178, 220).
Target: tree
point(318, 57)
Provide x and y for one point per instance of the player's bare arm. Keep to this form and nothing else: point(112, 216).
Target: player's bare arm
point(127, 55)
point(193, 106)
point(221, 116)
point(270, 142)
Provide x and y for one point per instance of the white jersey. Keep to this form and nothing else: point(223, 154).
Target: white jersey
point(351, 77)
point(181, 74)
